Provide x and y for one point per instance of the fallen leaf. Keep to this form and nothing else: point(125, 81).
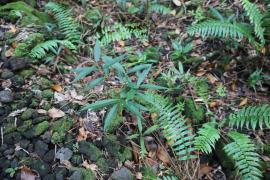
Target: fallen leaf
point(57, 88)
point(204, 170)
point(212, 79)
point(75, 95)
point(93, 167)
point(135, 150)
point(243, 102)
point(56, 113)
point(139, 175)
point(12, 29)
point(9, 52)
point(17, 112)
point(14, 44)
point(42, 111)
point(82, 134)
point(163, 155)
point(213, 104)
point(27, 174)
point(200, 72)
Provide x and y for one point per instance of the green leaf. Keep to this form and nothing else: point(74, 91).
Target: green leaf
point(152, 86)
point(139, 124)
point(151, 130)
point(94, 83)
point(143, 151)
point(142, 76)
point(133, 136)
point(133, 109)
point(100, 104)
point(83, 72)
point(139, 68)
point(110, 117)
point(97, 51)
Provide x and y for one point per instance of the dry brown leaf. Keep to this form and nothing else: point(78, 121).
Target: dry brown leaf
point(82, 134)
point(212, 79)
point(56, 113)
point(139, 175)
point(243, 102)
point(42, 111)
point(93, 167)
point(57, 88)
point(9, 52)
point(163, 155)
point(200, 72)
point(12, 29)
point(135, 150)
point(14, 44)
point(27, 174)
point(213, 104)
point(204, 170)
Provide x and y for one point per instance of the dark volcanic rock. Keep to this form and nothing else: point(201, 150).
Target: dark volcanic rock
point(15, 63)
point(64, 154)
point(41, 148)
point(41, 167)
point(90, 150)
point(7, 74)
point(122, 174)
point(49, 156)
point(6, 96)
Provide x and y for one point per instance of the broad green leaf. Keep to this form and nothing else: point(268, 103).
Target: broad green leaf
point(142, 76)
point(133, 136)
point(97, 51)
point(139, 68)
point(139, 120)
point(100, 104)
point(110, 117)
point(143, 151)
point(152, 86)
point(94, 83)
point(83, 72)
point(133, 109)
point(151, 130)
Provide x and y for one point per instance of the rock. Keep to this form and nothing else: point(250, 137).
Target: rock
point(77, 175)
point(63, 154)
point(12, 138)
point(47, 94)
point(7, 74)
point(28, 114)
point(25, 126)
point(122, 174)
point(17, 81)
point(46, 137)
point(3, 147)
point(8, 152)
point(40, 119)
point(60, 173)
point(6, 96)
point(49, 177)
point(16, 63)
point(60, 128)
point(103, 165)
point(41, 167)
point(49, 156)
point(90, 150)
point(24, 143)
point(41, 148)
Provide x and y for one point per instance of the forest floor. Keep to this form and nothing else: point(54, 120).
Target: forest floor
point(45, 135)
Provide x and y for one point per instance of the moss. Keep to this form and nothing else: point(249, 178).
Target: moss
point(102, 164)
point(44, 83)
point(25, 126)
point(115, 123)
point(57, 137)
point(22, 49)
point(76, 159)
point(47, 94)
point(148, 173)
point(26, 73)
point(87, 173)
point(9, 127)
point(90, 150)
point(60, 128)
point(112, 145)
point(194, 111)
point(40, 128)
point(126, 155)
point(28, 114)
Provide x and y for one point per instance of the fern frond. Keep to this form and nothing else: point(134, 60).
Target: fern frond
point(174, 127)
point(255, 17)
point(168, 178)
point(119, 32)
point(159, 8)
point(243, 152)
point(223, 29)
point(65, 21)
point(252, 116)
point(40, 50)
point(206, 138)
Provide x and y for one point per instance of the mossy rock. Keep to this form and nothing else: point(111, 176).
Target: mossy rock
point(115, 123)
point(87, 173)
point(37, 130)
point(90, 150)
point(25, 126)
point(57, 137)
point(9, 127)
point(29, 114)
point(76, 159)
point(26, 73)
point(60, 128)
point(47, 94)
point(44, 83)
point(21, 50)
point(103, 165)
point(194, 111)
point(111, 144)
point(126, 155)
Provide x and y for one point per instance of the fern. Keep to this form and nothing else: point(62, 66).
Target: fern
point(119, 32)
point(159, 8)
point(206, 138)
point(174, 128)
point(168, 178)
point(40, 50)
point(255, 17)
point(202, 89)
point(223, 29)
point(252, 116)
point(243, 152)
point(65, 21)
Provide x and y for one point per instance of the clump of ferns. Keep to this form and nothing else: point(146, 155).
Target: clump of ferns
point(185, 143)
point(68, 27)
point(227, 28)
